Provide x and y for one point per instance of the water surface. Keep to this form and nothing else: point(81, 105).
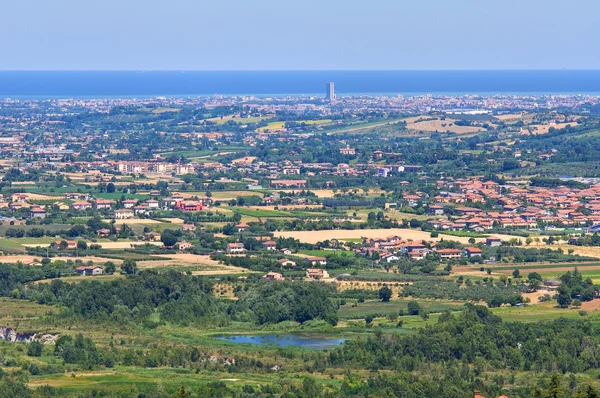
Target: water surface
point(283, 340)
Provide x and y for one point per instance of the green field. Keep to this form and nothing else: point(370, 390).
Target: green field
point(325, 253)
point(380, 309)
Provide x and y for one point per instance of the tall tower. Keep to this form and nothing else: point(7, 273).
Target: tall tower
point(329, 92)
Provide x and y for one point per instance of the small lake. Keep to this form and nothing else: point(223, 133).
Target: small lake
point(284, 340)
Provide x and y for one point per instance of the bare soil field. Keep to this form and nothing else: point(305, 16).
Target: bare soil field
point(37, 196)
point(246, 160)
point(589, 251)
point(174, 220)
point(408, 234)
point(439, 125)
point(543, 128)
point(535, 296)
point(593, 305)
point(188, 260)
point(510, 117)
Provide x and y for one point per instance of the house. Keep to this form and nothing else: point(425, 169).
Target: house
point(270, 245)
point(316, 273)
point(273, 276)
point(493, 241)
point(284, 262)
point(152, 204)
point(317, 260)
point(189, 205)
point(235, 248)
point(61, 206)
point(81, 205)
point(449, 253)
point(288, 183)
point(188, 227)
point(389, 257)
point(89, 270)
point(183, 245)
point(103, 232)
point(77, 196)
point(129, 203)
point(472, 251)
point(242, 227)
point(347, 151)
point(436, 210)
point(286, 251)
point(38, 212)
point(123, 214)
point(103, 204)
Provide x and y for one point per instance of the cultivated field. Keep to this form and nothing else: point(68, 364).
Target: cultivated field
point(543, 128)
point(407, 234)
point(413, 123)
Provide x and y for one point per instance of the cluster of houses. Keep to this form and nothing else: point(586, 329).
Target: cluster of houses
point(125, 209)
point(515, 206)
point(393, 247)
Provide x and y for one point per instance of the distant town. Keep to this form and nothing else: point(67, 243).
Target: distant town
point(160, 233)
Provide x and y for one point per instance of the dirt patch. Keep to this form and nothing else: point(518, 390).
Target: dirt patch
point(593, 305)
point(535, 296)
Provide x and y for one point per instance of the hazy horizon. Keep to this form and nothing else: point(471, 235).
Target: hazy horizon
point(308, 35)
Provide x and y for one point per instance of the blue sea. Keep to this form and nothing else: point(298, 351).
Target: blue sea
point(86, 84)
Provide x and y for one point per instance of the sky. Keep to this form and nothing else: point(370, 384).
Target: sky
point(298, 34)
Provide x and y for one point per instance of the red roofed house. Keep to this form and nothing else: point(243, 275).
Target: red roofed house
point(270, 245)
point(235, 248)
point(273, 276)
point(316, 273)
point(473, 251)
point(449, 253)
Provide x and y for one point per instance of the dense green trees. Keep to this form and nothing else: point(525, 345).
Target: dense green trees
point(275, 302)
point(478, 335)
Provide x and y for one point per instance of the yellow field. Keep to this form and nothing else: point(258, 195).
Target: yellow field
point(408, 234)
point(543, 128)
point(108, 245)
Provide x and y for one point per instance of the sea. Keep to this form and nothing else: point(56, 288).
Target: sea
point(144, 84)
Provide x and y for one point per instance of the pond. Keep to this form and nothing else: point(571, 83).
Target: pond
point(314, 342)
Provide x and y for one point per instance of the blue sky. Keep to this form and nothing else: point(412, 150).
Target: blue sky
point(293, 34)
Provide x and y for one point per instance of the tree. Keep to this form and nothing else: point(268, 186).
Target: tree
point(82, 245)
point(109, 267)
point(168, 238)
point(368, 319)
point(516, 274)
point(564, 296)
point(534, 275)
point(110, 187)
point(385, 294)
point(413, 308)
point(181, 393)
point(129, 267)
point(554, 389)
point(35, 349)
